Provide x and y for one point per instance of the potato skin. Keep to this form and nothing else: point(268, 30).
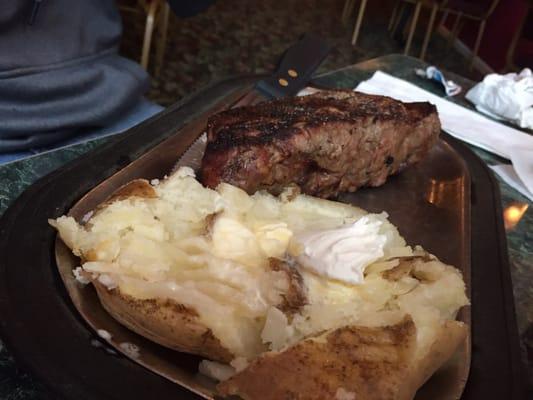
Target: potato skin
point(447, 340)
point(363, 363)
point(160, 320)
point(164, 322)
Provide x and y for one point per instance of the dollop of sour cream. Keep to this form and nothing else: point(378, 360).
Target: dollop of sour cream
point(342, 253)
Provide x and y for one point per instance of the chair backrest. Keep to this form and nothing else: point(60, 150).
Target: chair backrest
point(492, 7)
point(480, 9)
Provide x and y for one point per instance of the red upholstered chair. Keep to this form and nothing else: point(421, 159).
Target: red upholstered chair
point(520, 38)
point(399, 9)
point(477, 10)
point(474, 10)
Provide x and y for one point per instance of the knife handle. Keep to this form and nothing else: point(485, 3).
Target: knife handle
point(295, 67)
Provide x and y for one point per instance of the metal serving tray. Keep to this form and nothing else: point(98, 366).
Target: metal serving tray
point(40, 320)
point(428, 202)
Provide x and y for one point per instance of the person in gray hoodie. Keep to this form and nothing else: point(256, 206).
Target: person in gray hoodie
point(61, 78)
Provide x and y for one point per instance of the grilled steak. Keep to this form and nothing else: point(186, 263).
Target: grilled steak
point(327, 142)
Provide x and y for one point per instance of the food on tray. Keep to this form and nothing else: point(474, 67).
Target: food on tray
point(328, 142)
point(288, 296)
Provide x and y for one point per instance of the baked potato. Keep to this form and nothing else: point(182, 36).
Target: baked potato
point(227, 276)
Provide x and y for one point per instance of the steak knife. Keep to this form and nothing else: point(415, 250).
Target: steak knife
point(293, 73)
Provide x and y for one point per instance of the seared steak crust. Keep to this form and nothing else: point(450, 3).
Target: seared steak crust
point(327, 142)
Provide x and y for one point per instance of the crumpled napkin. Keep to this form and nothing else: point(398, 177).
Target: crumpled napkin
point(508, 96)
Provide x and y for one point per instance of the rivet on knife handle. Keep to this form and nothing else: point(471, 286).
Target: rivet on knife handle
point(296, 67)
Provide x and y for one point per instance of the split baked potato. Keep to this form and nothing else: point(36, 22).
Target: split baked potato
point(218, 273)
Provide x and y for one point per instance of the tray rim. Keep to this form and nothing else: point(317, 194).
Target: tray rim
point(19, 205)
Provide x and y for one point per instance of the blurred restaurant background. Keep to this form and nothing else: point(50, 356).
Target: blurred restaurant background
point(233, 37)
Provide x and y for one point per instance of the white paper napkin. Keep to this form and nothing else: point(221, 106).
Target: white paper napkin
point(462, 123)
point(509, 176)
point(522, 160)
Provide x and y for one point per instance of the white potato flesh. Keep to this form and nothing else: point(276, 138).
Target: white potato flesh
point(210, 249)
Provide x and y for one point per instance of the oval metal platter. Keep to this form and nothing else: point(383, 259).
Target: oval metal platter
point(428, 202)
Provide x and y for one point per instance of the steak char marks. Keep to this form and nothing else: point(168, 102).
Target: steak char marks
point(328, 142)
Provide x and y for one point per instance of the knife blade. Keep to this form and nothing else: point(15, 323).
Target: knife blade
point(293, 73)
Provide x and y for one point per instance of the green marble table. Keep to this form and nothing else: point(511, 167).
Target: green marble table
point(16, 176)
